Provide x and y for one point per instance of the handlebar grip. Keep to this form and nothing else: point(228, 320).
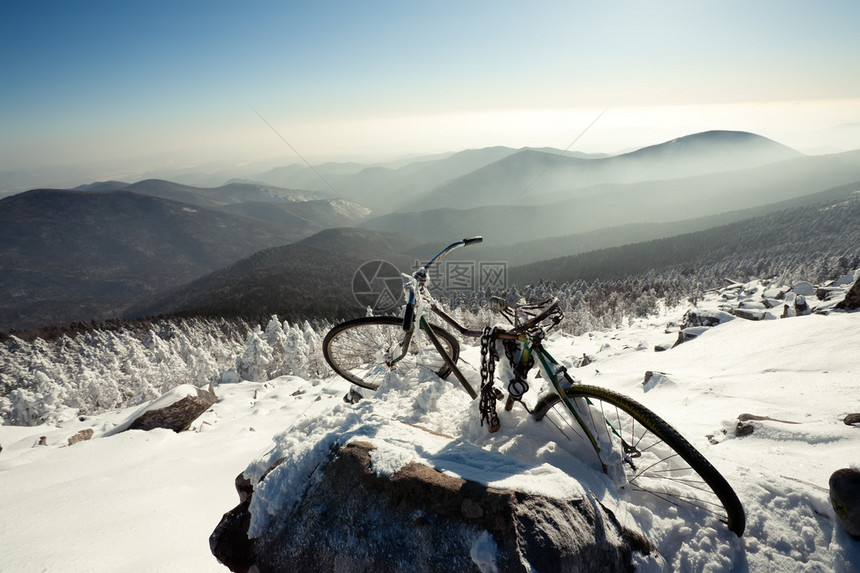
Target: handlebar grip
point(473, 240)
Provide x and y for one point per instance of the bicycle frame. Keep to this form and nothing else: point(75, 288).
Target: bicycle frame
point(553, 371)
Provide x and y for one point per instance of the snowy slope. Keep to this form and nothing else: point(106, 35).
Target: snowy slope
point(148, 501)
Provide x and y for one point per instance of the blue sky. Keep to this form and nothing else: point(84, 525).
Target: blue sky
point(186, 80)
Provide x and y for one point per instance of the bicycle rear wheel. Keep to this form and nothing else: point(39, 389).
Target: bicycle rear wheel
point(656, 460)
point(362, 350)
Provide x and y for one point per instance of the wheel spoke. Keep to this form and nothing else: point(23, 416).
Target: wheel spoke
point(361, 350)
point(714, 508)
point(654, 457)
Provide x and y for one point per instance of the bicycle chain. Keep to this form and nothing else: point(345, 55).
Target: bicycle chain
point(489, 394)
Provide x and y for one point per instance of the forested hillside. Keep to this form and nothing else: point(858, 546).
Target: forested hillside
point(76, 256)
point(310, 279)
point(313, 278)
point(800, 241)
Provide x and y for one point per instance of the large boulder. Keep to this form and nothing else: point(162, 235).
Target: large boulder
point(852, 297)
point(175, 414)
point(699, 317)
point(803, 288)
point(690, 333)
point(418, 519)
point(751, 313)
point(845, 498)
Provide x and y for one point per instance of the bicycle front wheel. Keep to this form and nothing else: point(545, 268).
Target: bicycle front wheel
point(363, 350)
point(655, 459)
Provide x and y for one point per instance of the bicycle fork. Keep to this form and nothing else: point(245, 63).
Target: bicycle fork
point(546, 360)
point(629, 452)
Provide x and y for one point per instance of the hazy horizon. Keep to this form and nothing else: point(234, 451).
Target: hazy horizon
point(129, 89)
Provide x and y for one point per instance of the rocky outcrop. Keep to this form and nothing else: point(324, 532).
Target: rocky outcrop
point(653, 379)
point(350, 519)
point(757, 301)
point(852, 297)
point(688, 334)
point(751, 313)
point(698, 317)
point(179, 415)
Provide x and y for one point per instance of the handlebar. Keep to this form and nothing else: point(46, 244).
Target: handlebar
point(421, 275)
point(449, 248)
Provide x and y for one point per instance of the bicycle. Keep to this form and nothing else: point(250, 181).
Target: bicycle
point(634, 446)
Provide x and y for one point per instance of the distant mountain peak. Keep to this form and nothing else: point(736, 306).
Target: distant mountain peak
point(739, 141)
point(713, 151)
point(719, 134)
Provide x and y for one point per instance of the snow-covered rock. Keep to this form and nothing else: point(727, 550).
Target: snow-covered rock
point(81, 436)
point(852, 297)
point(419, 519)
point(702, 317)
point(690, 333)
point(175, 410)
point(845, 497)
point(803, 288)
point(653, 379)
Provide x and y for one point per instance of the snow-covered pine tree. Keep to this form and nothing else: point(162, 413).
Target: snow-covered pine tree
point(316, 365)
point(276, 337)
point(253, 363)
point(297, 350)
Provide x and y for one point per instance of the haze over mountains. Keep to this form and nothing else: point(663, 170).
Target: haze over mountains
point(530, 175)
point(114, 248)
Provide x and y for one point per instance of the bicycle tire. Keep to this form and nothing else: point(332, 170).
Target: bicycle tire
point(662, 474)
point(356, 350)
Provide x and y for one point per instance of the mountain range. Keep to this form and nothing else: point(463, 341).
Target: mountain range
point(72, 255)
point(292, 237)
point(613, 204)
point(530, 174)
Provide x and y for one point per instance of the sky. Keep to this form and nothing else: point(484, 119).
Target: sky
point(184, 81)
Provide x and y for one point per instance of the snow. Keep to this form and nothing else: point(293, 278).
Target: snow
point(148, 501)
point(484, 553)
